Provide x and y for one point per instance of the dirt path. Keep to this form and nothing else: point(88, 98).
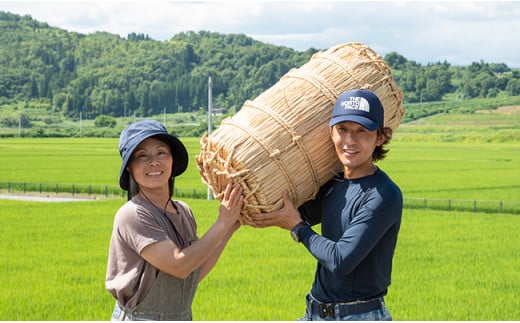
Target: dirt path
point(42, 198)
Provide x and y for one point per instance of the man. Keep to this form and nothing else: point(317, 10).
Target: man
point(360, 213)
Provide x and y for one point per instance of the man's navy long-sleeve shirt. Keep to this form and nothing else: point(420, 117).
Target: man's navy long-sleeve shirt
point(360, 220)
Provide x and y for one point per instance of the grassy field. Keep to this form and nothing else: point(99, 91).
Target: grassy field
point(76, 161)
point(474, 156)
point(448, 266)
point(482, 127)
point(455, 170)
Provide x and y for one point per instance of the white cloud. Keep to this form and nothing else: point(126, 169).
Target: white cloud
point(459, 32)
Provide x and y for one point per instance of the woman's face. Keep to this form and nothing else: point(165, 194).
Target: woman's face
point(151, 164)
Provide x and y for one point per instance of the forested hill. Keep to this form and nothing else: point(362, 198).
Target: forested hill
point(105, 74)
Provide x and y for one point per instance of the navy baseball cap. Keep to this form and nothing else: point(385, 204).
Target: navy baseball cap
point(137, 132)
point(359, 106)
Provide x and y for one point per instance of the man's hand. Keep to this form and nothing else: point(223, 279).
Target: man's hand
point(286, 217)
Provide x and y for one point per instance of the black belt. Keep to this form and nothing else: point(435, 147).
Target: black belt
point(329, 309)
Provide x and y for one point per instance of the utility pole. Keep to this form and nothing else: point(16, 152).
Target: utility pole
point(210, 121)
point(80, 124)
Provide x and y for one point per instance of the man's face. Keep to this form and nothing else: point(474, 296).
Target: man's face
point(354, 145)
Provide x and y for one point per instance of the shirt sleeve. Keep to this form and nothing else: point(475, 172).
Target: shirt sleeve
point(310, 211)
point(368, 225)
point(138, 228)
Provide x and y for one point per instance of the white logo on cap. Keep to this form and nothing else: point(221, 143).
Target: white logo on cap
point(356, 103)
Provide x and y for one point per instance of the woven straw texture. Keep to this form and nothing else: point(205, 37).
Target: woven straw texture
point(280, 140)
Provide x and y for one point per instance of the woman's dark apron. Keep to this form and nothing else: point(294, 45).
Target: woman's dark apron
point(168, 292)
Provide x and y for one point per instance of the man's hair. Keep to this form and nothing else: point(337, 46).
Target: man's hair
point(380, 151)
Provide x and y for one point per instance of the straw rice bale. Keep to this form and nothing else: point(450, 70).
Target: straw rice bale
point(280, 140)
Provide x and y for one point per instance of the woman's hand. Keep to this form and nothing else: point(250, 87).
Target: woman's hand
point(231, 205)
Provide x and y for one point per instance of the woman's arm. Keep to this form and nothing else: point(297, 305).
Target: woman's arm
point(169, 258)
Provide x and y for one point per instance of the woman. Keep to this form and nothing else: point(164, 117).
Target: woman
point(155, 259)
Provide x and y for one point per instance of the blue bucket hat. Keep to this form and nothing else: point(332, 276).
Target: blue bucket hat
point(135, 133)
point(359, 106)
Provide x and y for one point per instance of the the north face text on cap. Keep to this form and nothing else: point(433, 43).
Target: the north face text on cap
point(356, 103)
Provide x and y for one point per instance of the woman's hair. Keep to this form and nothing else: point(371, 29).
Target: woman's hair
point(133, 187)
point(380, 151)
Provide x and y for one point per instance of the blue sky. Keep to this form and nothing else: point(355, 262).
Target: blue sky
point(460, 32)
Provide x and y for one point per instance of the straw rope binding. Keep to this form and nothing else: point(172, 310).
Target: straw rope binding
point(280, 140)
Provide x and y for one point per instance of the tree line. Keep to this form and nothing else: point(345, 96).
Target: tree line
point(68, 73)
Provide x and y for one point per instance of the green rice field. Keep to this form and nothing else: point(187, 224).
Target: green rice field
point(449, 265)
point(445, 170)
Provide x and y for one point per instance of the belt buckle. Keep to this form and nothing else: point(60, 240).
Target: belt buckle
point(327, 310)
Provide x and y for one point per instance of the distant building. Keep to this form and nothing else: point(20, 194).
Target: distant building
point(219, 112)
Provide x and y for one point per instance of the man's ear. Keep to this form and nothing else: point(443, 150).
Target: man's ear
point(383, 136)
point(380, 140)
